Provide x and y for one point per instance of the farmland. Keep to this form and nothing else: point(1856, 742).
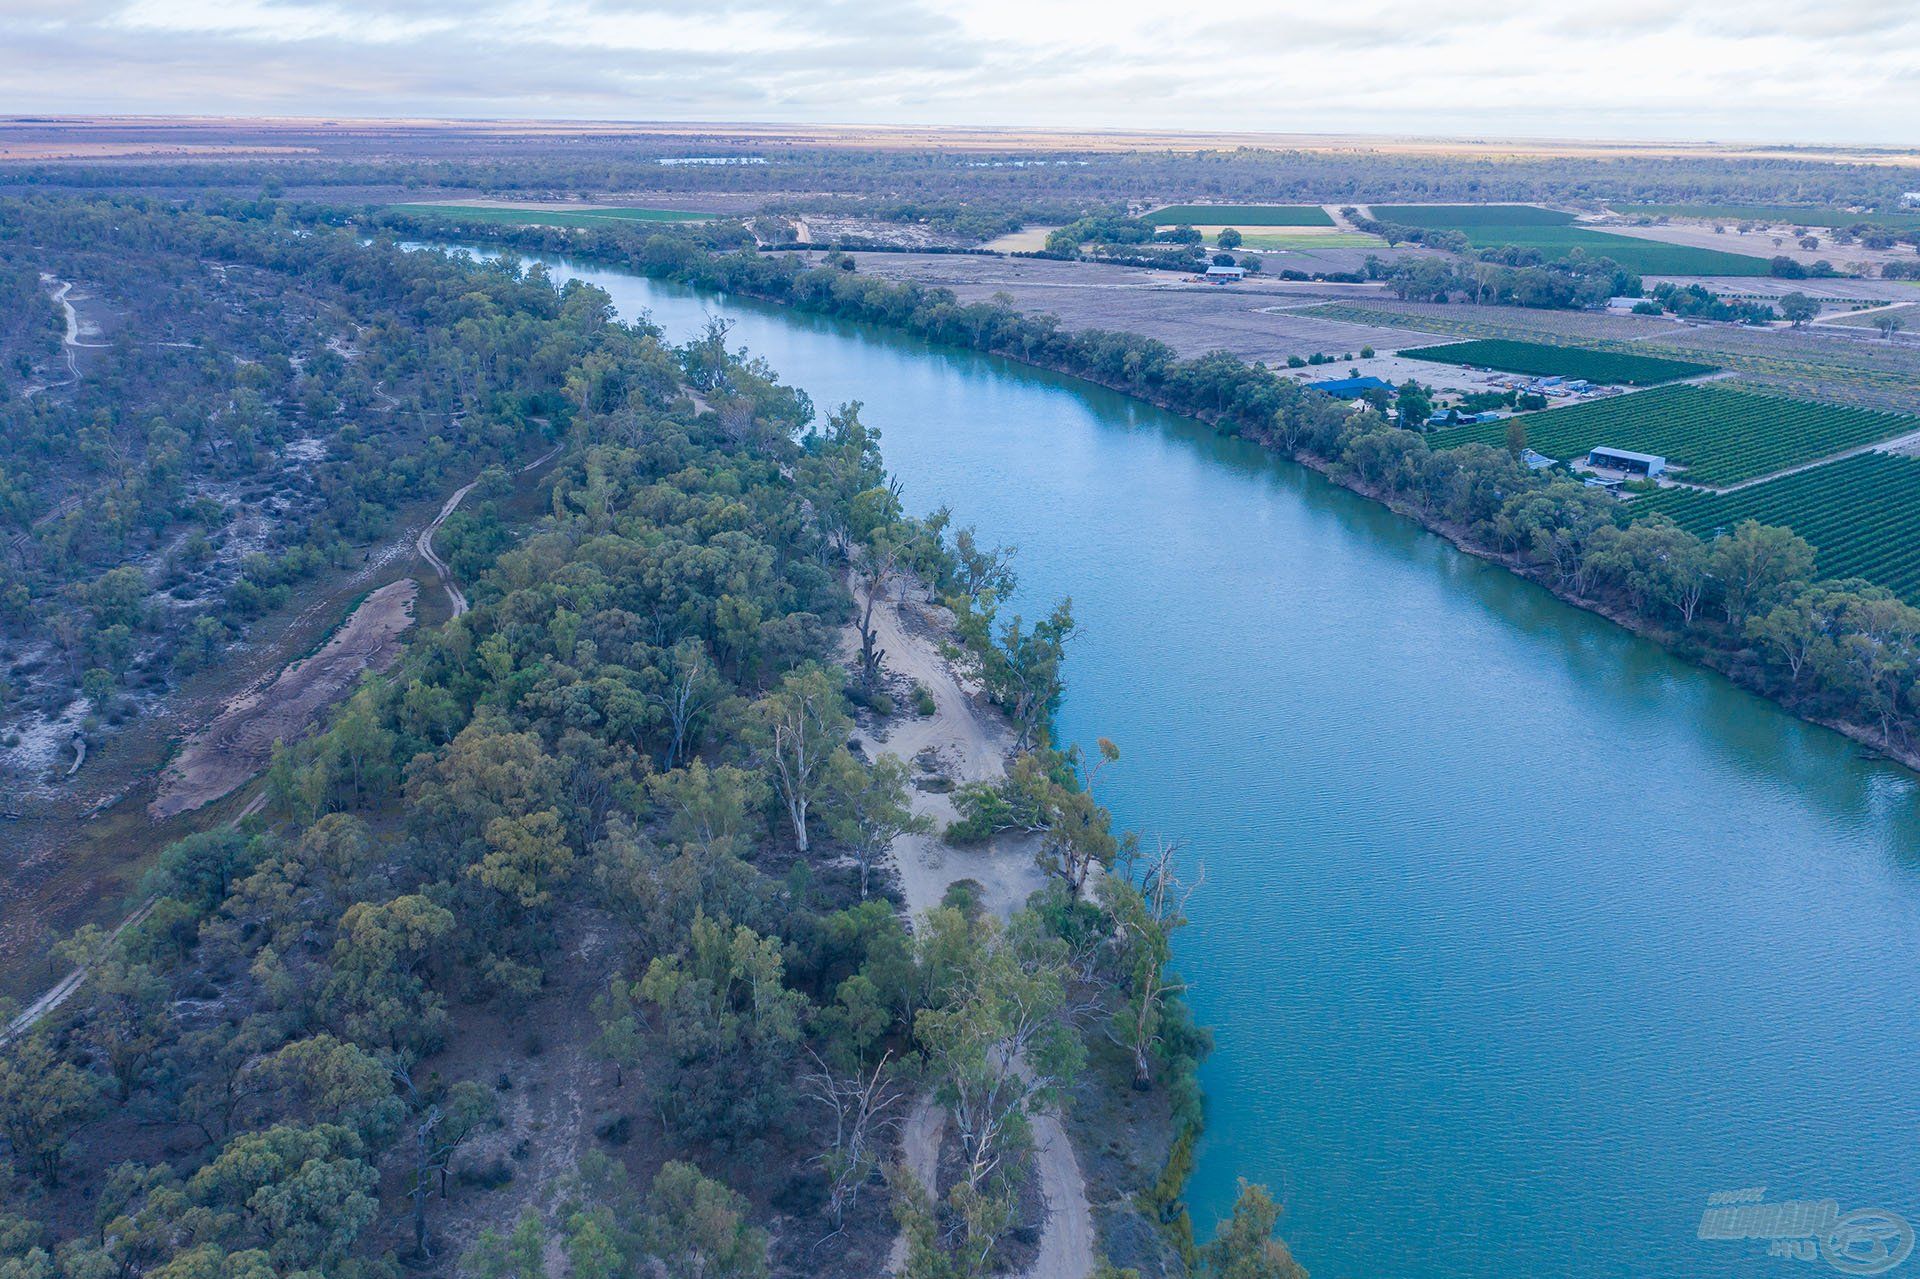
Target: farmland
point(521, 216)
point(1647, 257)
point(1773, 214)
point(1545, 360)
point(1720, 436)
point(1458, 217)
point(1313, 240)
point(1240, 215)
point(1553, 235)
point(1792, 362)
point(1862, 515)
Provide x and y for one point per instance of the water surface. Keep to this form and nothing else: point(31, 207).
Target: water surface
point(1519, 937)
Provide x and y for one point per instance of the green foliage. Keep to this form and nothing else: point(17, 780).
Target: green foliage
point(1542, 359)
point(43, 1098)
point(1245, 1247)
point(697, 1228)
point(1861, 514)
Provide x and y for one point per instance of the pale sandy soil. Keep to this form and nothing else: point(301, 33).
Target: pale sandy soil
point(971, 742)
point(1029, 239)
point(239, 742)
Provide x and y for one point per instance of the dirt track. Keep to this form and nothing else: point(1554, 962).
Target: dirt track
point(972, 744)
point(240, 741)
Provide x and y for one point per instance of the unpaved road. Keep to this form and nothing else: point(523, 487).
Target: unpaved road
point(457, 598)
point(239, 742)
point(63, 990)
point(972, 745)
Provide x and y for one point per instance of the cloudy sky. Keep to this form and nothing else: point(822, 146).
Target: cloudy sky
point(1782, 70)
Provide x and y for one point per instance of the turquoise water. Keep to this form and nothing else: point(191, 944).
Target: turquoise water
point(1519, 937)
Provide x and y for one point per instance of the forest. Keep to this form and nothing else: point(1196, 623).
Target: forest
point(258, 408)
point(599, 855)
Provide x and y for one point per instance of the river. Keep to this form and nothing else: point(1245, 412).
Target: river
point(1519, 937)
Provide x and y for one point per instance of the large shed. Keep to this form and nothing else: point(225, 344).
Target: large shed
point(1647, 464)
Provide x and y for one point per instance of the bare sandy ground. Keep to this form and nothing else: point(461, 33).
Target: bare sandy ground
point(1257, 319)
point(971, 743)
point(1028, 239)
point(240, 741)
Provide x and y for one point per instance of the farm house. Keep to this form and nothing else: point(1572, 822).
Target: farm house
point(1647, 464)
point(1225, 274)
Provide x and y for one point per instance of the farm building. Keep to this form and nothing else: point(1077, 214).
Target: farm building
point(1222, 274)
point(1341, 388)
point(1647, 464)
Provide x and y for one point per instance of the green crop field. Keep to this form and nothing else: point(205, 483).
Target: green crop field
point(1316, 240)
point(1781, 214)
point(1498, 226)
point(1720, 436)
point(1862, 515)
point(1647, 257)
point(1240, 215)
point(1458, 217)
point(1543, 360)
point(547, 217)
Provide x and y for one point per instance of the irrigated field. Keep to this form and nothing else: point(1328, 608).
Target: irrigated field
point(546, 217)
point(1240, 215)
point(1496, 226)
point(1773, 214)
point(1544, 360)
point(1462, 216)
point(1862, 515)
point(1647, 257)
point(1310, 240)
point(1720, 436)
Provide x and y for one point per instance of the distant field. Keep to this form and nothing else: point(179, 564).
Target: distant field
point(1325, 240)
point(1461, 216)
point(1240, 215)
point(547, 217)
point(1720, 436)
point(1647, 257)
point(1541, 359)
point(1783, 214)
point(1495, 226)
point(1862, 515)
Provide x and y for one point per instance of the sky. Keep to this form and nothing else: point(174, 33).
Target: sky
point(1819, 71)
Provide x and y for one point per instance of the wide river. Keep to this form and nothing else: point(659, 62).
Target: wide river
point(1519, 938)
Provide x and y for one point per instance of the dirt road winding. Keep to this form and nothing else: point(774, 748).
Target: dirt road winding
point(971, 743)
point(457, 598)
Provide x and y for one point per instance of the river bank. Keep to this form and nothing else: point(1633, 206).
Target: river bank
point(963, 741)
point(1439, 967)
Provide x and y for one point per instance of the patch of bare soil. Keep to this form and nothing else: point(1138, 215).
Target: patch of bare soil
point(968, 741)
point(240, 740)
